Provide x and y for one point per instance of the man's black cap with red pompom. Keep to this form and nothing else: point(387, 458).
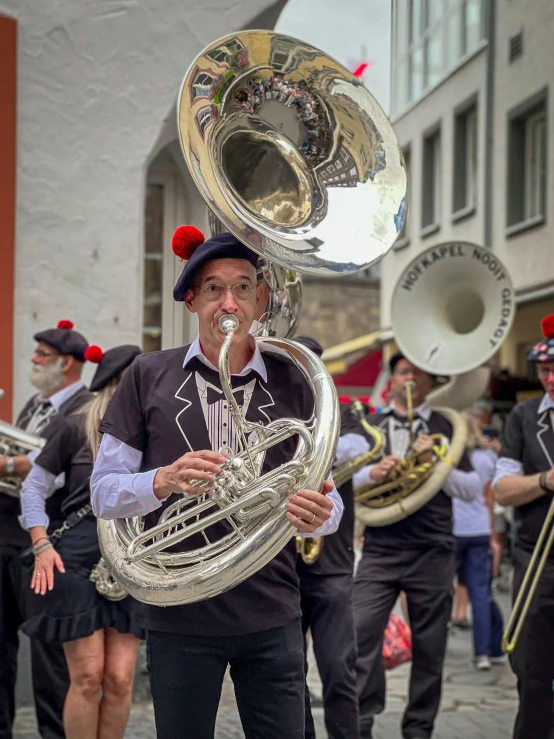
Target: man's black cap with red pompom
point(543, 351)
point(110, 363)
point(65, 340)
point(188, 243)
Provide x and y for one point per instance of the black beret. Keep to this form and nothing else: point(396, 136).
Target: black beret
point(543, 351)
point(112, 364)
point(310, 343)
point(220, 246)
point(65, 340)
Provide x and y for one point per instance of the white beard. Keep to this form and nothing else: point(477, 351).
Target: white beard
point(49, 378)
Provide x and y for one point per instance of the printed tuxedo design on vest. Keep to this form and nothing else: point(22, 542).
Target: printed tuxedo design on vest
point(36, 417)
point(206, 412)
point(545, 433)
point(217, 414)
point(397, 433)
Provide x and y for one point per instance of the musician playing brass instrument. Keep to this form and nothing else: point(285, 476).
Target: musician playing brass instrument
point(56, 367)
point(325, 569)
point(414, 555)
point(525, 479)
point(163, 430)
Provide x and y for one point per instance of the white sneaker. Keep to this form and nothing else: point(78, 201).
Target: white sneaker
point(482, 662)
point(502, 659)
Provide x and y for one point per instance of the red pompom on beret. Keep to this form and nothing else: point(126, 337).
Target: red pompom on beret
point(547, 325)
point(185, 240)
point(94, 354)
point(64, 323)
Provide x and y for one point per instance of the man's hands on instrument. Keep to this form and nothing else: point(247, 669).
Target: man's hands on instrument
point(381, 469)
point(423, 447)
point(308, 510)
point(43, 576)
point(177, 477)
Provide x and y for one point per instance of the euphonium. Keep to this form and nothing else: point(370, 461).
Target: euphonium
point(347, 470)
point(309, 548)
point(15, 442)
point(283, 143)
point(411, 484)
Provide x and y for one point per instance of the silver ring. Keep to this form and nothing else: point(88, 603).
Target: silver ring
point(39, 574)
point(313, 519)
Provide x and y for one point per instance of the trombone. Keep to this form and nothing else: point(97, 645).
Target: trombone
point(530, 583)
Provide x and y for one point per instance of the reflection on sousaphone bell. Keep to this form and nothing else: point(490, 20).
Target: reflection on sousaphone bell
point(292, 153)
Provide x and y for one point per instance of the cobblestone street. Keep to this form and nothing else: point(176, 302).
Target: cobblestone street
point(475, 705)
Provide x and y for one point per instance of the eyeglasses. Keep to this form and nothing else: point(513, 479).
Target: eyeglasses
point(545, 372)
point(214, 293)
point(41, 354)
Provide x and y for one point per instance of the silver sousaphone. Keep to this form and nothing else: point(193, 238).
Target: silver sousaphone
point(296, 158)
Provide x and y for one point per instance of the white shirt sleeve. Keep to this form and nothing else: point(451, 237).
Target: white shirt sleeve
point(118, 490)
point(349, 447)
point(362, 477)
point(36, 489)
point(463, 485)
point(504, 467)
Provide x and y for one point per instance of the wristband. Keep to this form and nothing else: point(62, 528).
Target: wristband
point(40, 538)
point(10, 466)
point(543, 485)
point(41, 548)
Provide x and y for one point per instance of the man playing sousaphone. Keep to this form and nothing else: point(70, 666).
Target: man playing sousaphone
point(414, 555)
point(166, 428)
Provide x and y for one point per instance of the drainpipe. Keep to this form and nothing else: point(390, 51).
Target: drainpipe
point(490, 6)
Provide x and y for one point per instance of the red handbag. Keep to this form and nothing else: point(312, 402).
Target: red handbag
point(397, 644)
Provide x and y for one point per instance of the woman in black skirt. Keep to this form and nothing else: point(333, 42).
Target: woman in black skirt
point(100, 636)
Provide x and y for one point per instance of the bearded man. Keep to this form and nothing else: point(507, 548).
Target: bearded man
point(56, 368)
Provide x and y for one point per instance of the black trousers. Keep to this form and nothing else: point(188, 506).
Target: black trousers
point(49, 669)
point(426, 577)
point(327, 612)
point(533, 657)
point(267, 669)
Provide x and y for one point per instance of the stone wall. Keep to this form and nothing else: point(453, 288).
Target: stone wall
point(334, 311)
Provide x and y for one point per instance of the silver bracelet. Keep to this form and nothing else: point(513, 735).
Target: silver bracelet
point(41, 548)
point(10, 466)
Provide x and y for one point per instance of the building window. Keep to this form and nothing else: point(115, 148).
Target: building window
point(431, 184)
point(527, 163)
point(202, 85)
point(430, 38)
point(465, 160)
point(404, 235)
point(153, 269)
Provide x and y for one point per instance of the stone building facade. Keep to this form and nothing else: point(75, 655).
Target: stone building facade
point(335, 311)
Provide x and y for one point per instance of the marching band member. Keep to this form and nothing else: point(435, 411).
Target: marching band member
point(56, 368)
point(99, 636)
point(415, 555)
point(525, 479)
point(326, 599)
point(163, 429)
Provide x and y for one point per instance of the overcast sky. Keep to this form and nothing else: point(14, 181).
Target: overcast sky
point(351, 31)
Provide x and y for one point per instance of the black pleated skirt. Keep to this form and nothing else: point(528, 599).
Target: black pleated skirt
point(74, 609)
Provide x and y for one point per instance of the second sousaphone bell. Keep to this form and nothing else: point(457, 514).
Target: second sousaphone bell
point(452, 307)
